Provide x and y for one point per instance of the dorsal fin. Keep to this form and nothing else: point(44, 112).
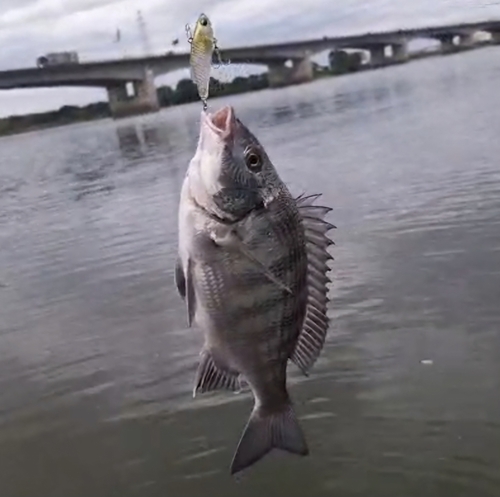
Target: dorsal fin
point(313, 334)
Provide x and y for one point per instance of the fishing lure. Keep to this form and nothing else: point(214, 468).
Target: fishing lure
point(203, 47)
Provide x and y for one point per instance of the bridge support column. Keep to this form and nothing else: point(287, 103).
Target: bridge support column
point(447, 45)
point(300, 72)
point(400, 52)
point(495, 37)
point(144, 100)
point(377, 56)
point(277, 74)
point(467, 40)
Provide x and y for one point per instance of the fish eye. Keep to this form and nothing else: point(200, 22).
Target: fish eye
point(253, 160)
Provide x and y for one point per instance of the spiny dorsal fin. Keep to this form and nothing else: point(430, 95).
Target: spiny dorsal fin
point(209, 377)
point(313, 334)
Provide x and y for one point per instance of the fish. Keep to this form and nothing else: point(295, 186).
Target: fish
point(203, 45)
point(252, 269)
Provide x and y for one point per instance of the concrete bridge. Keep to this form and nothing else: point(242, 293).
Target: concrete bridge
point(141, 72)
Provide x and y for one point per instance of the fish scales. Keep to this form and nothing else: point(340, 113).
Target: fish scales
point(257, 305)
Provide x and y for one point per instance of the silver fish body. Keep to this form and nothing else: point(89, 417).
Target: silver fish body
point(252, 267)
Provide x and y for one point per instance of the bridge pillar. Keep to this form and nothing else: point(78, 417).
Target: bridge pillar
point(400, 52)
point(277, 74)
point(377, 56)
point(467, 40)
point(144, 100)
point(300, 72)
point(447, 44)
point(495, 36)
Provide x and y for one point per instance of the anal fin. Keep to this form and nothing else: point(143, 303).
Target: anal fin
point(210, 377)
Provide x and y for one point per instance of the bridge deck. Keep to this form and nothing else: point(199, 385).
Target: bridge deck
point(259, 54)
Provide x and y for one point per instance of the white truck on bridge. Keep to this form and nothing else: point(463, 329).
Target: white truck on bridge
point(57, 59)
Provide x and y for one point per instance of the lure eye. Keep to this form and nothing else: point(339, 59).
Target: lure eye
point(203, 21)
point(253, 159)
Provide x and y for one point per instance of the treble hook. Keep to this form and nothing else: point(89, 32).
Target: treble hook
point(219, 57)
point(217, 53)
point(189, 33)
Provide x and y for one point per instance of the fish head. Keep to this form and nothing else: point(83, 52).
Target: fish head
point(230, 173)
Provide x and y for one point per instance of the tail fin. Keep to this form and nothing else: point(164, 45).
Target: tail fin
point(265, 431)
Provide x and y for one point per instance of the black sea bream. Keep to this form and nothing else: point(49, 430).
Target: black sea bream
point(252, 268)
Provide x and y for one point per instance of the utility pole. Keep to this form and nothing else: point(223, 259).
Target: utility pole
point(118, 40)
point(143, 32)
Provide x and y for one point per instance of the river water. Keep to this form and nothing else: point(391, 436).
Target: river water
point(97, 363)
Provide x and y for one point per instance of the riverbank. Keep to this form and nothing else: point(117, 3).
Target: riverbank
point(186, 92)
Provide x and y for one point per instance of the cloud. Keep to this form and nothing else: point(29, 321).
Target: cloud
point(29, 28)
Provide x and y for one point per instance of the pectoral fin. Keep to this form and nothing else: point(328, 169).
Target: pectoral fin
point(184, 283)
point(180, 280)
point(211, 377)
point(190, 295)
point(233, 241)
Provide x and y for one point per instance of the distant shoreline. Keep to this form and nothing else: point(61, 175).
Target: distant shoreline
point(185, 92)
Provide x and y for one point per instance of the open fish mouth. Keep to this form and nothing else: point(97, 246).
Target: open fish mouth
point(222, 121)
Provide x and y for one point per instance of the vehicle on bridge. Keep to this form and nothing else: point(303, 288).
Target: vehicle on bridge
point(57, 59)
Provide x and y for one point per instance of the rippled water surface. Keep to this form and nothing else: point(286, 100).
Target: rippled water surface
point(97, 363)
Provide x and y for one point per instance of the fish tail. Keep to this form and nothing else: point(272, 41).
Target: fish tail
point(266, 430)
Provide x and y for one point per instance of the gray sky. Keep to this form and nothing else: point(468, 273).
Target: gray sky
point(29, 28)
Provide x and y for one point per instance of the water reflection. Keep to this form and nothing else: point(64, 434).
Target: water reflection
point(360, 98)
point(153, 139)
point(282, 113)
point(91, 175)
point(158, 137)
point(138, 140)
point(402, 88)
point(129, 141)
point(10, 186)
point(292, 110)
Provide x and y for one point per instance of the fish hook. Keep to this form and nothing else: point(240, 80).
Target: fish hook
point(217, 53)
point(219, 56)
point(189, 34)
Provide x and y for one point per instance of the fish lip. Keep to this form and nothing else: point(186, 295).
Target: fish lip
point(226, 115)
